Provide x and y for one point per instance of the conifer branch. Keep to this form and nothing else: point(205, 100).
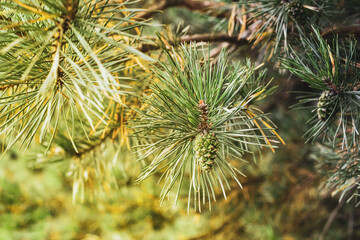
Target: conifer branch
point(331, 70)
point(211, 103)
point(72, 66)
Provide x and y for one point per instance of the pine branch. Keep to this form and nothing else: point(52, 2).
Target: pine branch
point(62, 56)
point(92, 162)
point(95, 144)
point(278, 22)
point(201, 113)
point(331, 69)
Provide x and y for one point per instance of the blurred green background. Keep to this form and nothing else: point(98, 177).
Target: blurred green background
point(282, 199)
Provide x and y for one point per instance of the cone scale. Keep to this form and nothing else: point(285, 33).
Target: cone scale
point(206, 143)
point(295, 9)
point(206, 146)
point(325, 106)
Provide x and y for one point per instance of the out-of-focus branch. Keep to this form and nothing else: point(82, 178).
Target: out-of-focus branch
point(154, 9)
point(335, 212)
point(220, 10)
point(341, 30)
point(201, 5)
point(194, 5)
point(222, 37)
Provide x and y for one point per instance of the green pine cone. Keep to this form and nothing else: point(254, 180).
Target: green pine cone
point(325, 106)
point(206, 147)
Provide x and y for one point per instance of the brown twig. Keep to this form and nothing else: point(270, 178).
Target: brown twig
point(331, 85)
point(350, 231)
point(153, 10)
point(206, 37)
point(341, 30)
point(220, 10)
point(195, 5)
point(335, 212)
point(222, 37)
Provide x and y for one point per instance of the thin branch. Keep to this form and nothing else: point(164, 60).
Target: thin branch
point(331, 218)
point(95, 145)
point(214, 53)
point(201, 5)
point(335, 212)
point(220, 10)
point(207, 37)
point(223, 37)
point(350, 231)
point(341, 30)
point(194, 5)
point(154, 9)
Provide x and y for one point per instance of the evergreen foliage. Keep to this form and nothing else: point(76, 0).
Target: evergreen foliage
point(278, 22)
point(111, 98)
point(59, 60)
point(342, 171)
point(332, 70)
point(200, 103)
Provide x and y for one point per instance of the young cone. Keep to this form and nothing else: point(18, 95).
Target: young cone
point(325, 105)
